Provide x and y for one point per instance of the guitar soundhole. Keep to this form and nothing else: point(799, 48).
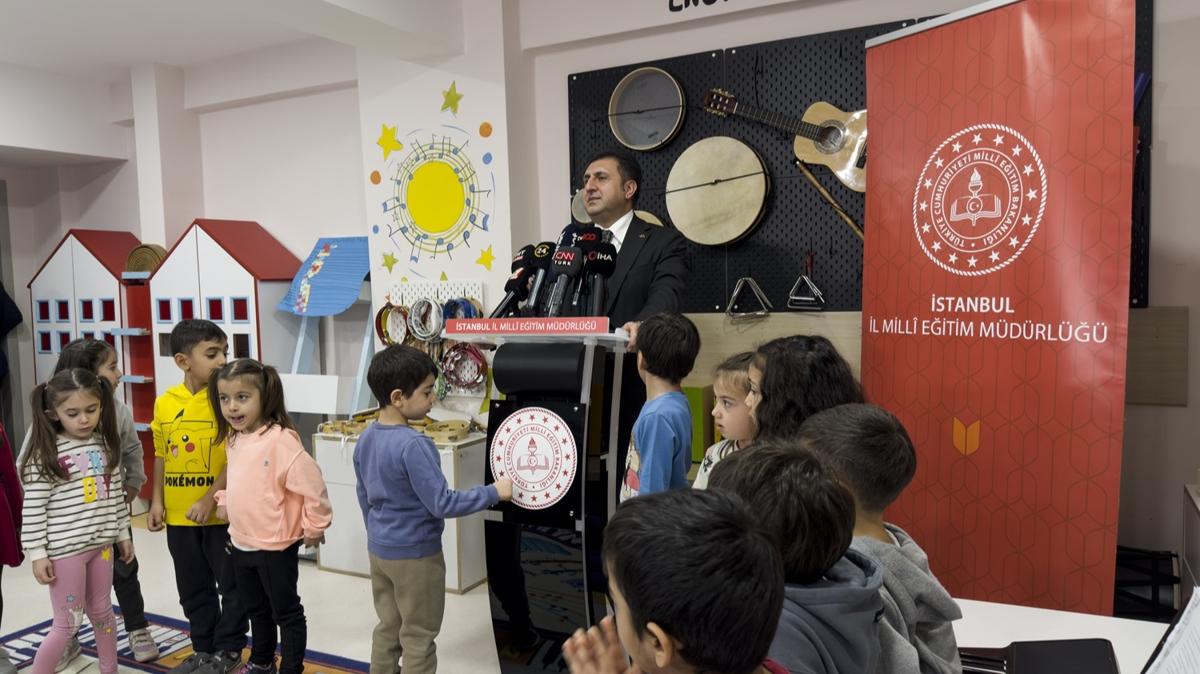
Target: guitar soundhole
point(830, 139)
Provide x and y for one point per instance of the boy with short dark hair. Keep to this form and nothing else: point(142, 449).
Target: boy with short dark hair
point(700, 594)
point(831, 599)
point(189, 469)
point(869, 448)
point(660, 447)
point(404, 499)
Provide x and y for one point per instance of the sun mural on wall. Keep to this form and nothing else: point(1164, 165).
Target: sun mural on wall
point(437, 195)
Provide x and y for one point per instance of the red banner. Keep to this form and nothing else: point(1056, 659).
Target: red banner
point(996, 289)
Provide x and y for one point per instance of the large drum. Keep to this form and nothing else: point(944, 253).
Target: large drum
point(717, 190)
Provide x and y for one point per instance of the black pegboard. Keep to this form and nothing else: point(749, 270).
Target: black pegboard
point(783, 76)
point(787, 76)
point(1139, 251)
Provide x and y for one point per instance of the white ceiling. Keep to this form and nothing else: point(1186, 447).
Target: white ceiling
point(101, 39)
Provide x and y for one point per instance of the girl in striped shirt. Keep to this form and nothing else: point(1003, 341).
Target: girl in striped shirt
point(75, 510)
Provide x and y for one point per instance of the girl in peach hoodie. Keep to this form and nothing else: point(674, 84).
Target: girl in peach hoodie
point(275, 500)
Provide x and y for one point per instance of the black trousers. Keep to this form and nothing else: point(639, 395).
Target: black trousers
point(266, 583)
point(207, 590)
point(129, 595)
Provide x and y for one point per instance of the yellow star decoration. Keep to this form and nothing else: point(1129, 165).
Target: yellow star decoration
point(451, 97)
point(106, 554)
point(486, 258)
point(387, 141)
point(389, 261)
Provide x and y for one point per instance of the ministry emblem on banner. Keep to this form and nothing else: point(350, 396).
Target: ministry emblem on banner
point(534, 448)
point(979, 199)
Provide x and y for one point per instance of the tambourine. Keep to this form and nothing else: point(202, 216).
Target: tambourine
point(444, 432)
point(391, 324)
point(465, 366)
point(425, 320)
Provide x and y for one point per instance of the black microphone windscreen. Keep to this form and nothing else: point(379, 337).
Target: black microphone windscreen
point(517, 284)
point(542, 255)
point(523, 257)
point(603, 260)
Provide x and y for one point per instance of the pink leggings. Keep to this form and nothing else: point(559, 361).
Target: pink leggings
point(83, 582)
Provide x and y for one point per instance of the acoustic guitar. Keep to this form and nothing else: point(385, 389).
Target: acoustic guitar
point(824, 135)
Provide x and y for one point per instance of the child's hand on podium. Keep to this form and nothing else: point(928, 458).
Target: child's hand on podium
point(504, 488)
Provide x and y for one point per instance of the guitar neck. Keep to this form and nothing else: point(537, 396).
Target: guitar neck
point(792, 125)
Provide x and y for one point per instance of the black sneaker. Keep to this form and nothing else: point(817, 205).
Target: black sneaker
point(251, 668)
point(194, 663)
point(223, 662)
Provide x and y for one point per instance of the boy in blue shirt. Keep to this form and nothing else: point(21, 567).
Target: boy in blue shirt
point(660, 447)
point(404, 499)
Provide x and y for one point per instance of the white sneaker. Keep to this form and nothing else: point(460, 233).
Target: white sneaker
point(143, 646)
point(72, 652)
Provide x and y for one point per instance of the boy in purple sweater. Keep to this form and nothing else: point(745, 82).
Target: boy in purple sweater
point(404, 499)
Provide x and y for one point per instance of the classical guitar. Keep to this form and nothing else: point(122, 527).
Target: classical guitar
point(824, 135)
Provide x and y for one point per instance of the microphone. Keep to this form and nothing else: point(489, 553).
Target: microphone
point(515, 289)
point(567, 263)
point(587, 240)
point(540, 264)
point(601, 266)
point(523, 257)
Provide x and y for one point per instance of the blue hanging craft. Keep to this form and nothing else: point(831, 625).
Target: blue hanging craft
point(330, 279)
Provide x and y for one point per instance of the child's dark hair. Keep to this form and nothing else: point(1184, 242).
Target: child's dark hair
point(398, 367)
point(801, 375)
point(658, 547)
point(736, 369)
point(798, 500)
point(869, 449)
point(89, 354)
point(188, 333)
point(668, 344)
point(42, 459)
point(265, 378)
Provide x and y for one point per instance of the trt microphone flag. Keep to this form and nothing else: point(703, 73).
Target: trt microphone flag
point(996, 289)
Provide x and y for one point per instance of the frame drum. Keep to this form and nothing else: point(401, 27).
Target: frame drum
point(646, 109)
point(716, 191)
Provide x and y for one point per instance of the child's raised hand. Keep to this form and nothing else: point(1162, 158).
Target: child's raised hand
point(504, 488)
point(598, 651)
point(202, 510)
point(125, 551)
point(43, 571)
point(154, 518)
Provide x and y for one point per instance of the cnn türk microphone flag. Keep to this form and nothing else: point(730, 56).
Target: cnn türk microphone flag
point(996, 289)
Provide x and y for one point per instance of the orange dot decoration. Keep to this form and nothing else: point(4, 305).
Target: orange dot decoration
point(485, 129)
point(375, 177)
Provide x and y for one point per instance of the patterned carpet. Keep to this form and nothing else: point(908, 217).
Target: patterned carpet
point(174, 646)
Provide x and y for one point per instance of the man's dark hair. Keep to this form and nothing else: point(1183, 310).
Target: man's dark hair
point(188, 333)
point(798, 500)
point(869, 449)
point(801, 375)
point(695, 563)
point(669, 344)
point(627, 166)
point(398, 367)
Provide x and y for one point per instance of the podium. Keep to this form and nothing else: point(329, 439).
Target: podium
point(556, 435)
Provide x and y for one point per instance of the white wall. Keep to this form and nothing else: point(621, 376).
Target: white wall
point(50, 112)
point(294, 165)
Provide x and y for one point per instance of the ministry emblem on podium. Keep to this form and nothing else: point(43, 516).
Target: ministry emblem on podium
point(534, 448)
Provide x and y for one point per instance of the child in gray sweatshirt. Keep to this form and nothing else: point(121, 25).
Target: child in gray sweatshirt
point(869, 448)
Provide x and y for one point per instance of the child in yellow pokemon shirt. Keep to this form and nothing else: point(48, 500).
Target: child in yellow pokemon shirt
point(189, 469)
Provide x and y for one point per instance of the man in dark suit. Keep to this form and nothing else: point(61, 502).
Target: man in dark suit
point(652, 267)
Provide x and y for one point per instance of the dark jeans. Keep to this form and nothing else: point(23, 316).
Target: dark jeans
point(202, 565)
point(266, 582)
point(129, 595)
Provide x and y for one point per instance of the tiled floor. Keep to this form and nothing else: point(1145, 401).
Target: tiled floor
point(338, 607)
